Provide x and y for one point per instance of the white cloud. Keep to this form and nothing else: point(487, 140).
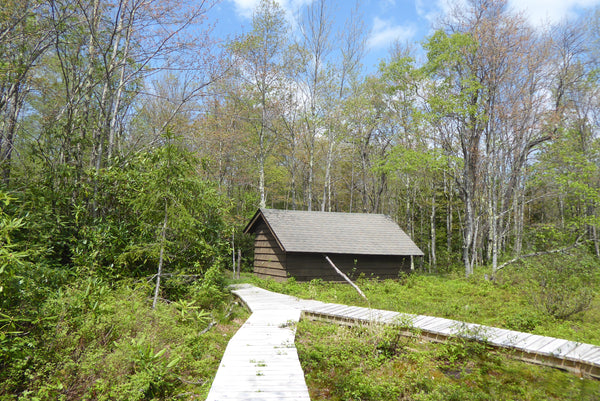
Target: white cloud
point(245, 8)
point(432, 10)
point(384, 33)
point(540, 12)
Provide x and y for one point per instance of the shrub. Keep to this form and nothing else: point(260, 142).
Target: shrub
point(563, 285)
point(524, 320)
point(103, 341)
point(210, 291)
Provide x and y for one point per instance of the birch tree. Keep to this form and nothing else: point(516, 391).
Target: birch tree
point(352, 40)
point(486, 100)
point(25, 34)
point(260, 57)
point(315, 46)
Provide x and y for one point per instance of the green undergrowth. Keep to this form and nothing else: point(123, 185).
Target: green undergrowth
point(377, 363)
point(96, 340)
point(513, 301)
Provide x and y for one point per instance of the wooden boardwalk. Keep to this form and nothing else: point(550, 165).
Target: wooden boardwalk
point(579, 358)
point(261, 361)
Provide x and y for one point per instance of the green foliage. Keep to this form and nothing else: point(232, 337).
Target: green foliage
point(12, 258)
point(410, 161)
point(395, 339)
point(562, 285)
point(525, 320)
point(345, 363)
point(210, 290)
point(467, 343)
point(167, 189)
point(450, 64)
point(569, 166)
point(105, 342)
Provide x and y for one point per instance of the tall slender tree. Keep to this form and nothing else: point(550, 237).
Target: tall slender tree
point(259, 55)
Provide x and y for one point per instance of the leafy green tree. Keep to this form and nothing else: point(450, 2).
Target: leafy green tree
point(12, 259)
point(179, 217)
point(456, 99)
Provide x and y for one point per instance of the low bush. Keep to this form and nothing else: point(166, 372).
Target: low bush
point(563, 285)
point(347, 363)
point(102, 342)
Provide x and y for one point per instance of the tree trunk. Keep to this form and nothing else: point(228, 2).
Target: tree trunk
point(163, 240)
point(351, 187)
point(433, 260)
point(596, 244)
point(121, 84)
point(9, 134)
point(519, 209)
point(311, 168)
point(261, 183)
point(327, 184)
point(448, 192)
point(468, 233)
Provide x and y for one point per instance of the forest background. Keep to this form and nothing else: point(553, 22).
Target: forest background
point(135, 146)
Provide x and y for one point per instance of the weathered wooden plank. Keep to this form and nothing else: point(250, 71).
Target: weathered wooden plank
point(504, 338)
point(389, 316)
point(269, 259)
point(259, 363)
point(318, 265)
point(266, 244)
point(270, 268)
point(268, 251)
point(422, 320)
point(330, 308)
point(264, 236)
point(268, 264)
point(439, 325)
point(553, 347)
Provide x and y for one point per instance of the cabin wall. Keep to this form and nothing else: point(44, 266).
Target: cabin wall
point(308, 266)
point(269, 259)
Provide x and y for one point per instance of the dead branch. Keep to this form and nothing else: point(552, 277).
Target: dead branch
point(529, 255)
point(210, 326)
point(345, 277)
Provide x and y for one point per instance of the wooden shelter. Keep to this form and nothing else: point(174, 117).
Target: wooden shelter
point(292, 243)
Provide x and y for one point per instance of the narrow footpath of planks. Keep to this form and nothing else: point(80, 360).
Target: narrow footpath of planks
point(579, 358)
point(261, 361)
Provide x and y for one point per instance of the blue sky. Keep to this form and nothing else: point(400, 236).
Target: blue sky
point(390, 20)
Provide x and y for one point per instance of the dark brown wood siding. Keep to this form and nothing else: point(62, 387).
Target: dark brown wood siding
point(308, 266)
point(269, 259)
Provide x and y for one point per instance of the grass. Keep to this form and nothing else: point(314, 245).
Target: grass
point(375, 363)
point(506, 302)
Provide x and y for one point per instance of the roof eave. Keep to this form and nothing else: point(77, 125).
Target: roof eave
point(419, 253)
point(258, 215)
point(250, 225)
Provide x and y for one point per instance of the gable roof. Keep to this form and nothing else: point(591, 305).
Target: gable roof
point(336, 233)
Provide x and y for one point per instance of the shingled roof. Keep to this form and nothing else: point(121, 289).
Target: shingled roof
point(335, 233)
